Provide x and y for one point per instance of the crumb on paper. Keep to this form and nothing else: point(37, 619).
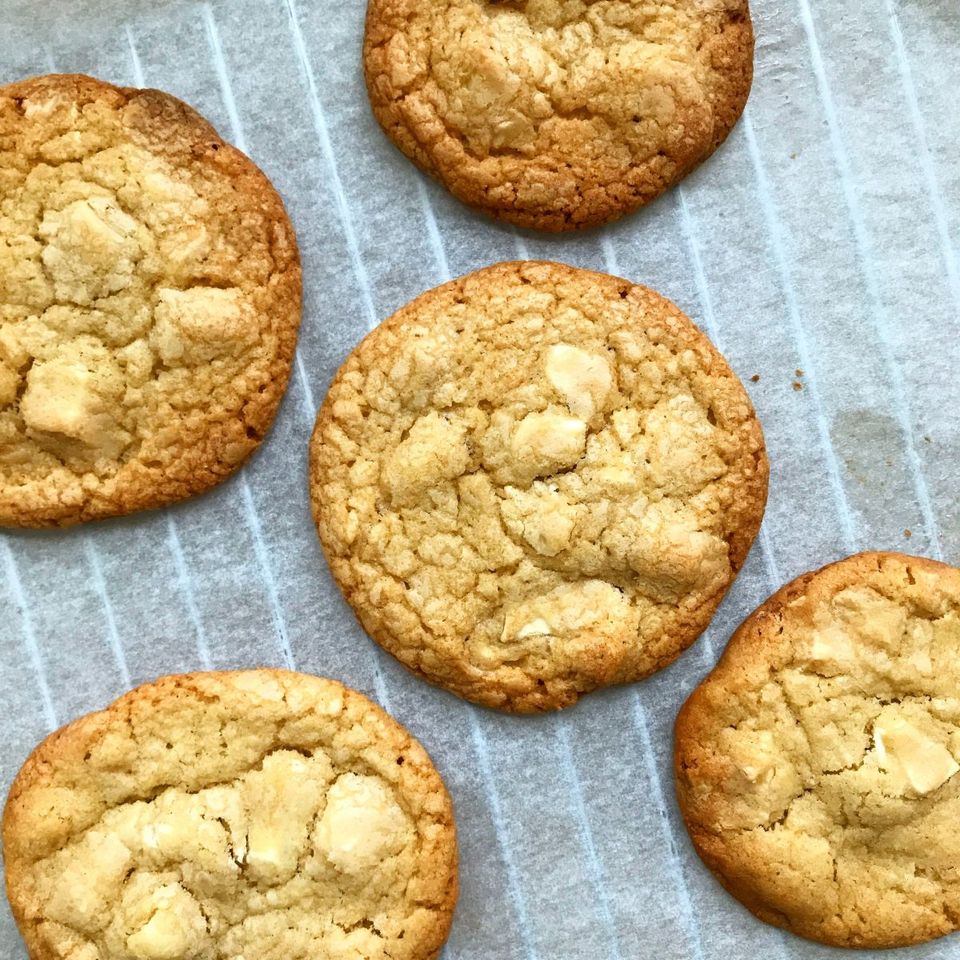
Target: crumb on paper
point(755, 378)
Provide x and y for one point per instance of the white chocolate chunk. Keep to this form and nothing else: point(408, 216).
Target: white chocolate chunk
point(616, 479)
point(434, 450)
point(543, 517)
point(202, 323)
point(566, 610)
point(62, 399)
point(755, 753)
point(278, 825)
point(280, 817)
point(361, 825)
point(878, 621)
point(91, 250)
point(535, 628)
point(515, 131)
point(902, 748)
point(161, 938)
point(549, 441)
point(583, 379)
point(758, 774)
point(174, 929)
point(831, 644)
point(269, 849)
point(153, 833)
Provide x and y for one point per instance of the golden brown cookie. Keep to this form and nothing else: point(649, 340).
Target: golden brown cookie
point(817, 764)
point(558, 114)
point(231, 815)
point(149, 302)
point(535, 481)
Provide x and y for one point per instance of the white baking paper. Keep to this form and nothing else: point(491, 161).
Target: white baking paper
point(819, 247)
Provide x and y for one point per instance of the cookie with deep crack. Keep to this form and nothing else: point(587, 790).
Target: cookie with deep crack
point(817, 764)
point(227, 815)
point(557, 115)
point(536, 481)
point(149, 302)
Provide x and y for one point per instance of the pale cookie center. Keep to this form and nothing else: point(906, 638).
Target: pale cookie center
point(127, 319)
point(860, 626)
point(434, 450)
point(83, 884)
point(509, 75)
point(542, 516)
point(165, 879)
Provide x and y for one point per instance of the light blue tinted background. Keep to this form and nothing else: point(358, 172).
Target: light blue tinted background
point(822, 237)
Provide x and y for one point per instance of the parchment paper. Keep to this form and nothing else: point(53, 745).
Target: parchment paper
point(819, 247)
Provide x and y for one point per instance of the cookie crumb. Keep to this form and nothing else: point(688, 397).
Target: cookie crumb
point(755, 378)
point(798, 372)
point(908, 533)
point(797, 385)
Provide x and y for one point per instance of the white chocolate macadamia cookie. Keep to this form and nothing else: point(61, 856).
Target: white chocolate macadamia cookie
point(558, 114)
point(817, 764)
point(536, 481)
point(221, 816)
point(149, 302)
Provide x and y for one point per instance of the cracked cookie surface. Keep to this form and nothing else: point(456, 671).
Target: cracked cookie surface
point(816, 765)
point(558, 114)
point(262, 814)
point(536, 481)
point(149, 302)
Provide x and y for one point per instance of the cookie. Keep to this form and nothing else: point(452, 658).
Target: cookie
point(817, 764)
point(226, 815)
point(149, 302)
point(553, 115)
point(536, 481)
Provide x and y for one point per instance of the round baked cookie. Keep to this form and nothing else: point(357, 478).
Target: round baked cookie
point(535, 481)
point(816, 765)
point(216, 816)
point(558, 115)
point(149, 302)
